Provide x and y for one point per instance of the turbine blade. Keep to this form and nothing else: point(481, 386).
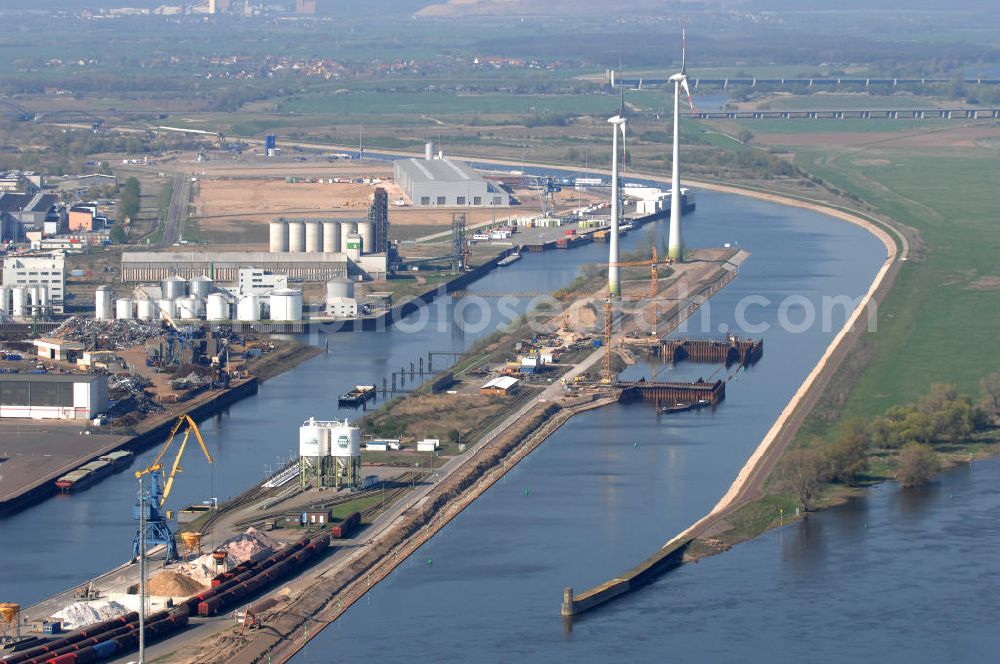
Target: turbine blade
point(684, 84)
point(683, 51)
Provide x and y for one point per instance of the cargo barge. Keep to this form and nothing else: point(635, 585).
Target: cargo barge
point(512, 258)
point(358, 396)
point(84, 476)
point(118, 459)
point(684, 407)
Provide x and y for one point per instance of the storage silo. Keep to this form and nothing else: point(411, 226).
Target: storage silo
point(217, 307)
point(201, 286)
point(339, 288)
point(296, 237)
point(346, 228)
point(36, 300)
point(173, 287)
point(187, 308)
point(330, 453)
point(286, 305)
point(278, 237)
point(248, 308)
point(124, 308)
point(145, 309)
point(366, 230)
point(345, 448)
point(314, 237)
point(331, 237)
point(19, 298)
point(104, 299)
point(43, 297)
point(168, 307)
point(4, 300)
point(354, 246)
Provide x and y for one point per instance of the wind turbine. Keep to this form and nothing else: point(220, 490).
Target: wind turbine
point(617, 125)
point(675, 248)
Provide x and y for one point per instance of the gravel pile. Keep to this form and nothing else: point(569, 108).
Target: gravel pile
point(108, 334)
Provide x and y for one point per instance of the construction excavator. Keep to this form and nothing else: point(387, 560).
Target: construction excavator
point(155, 517)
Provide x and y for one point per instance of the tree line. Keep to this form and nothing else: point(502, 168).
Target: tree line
point(915, 434)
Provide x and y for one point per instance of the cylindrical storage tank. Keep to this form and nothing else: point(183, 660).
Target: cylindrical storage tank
point(173, 287)
point(19, 300)
point(43, 296)
point(5, 299)
point(346, 228)
point(201, 286)
point(104, 299)
point(34, 296)
point(145, 309)
point(339, 288)
point(286, 304)
point(187, 308)
point(354, 246)
point(366, 230)
point(296, 237)
point(345, 441)
point(429, 150)
point(124, 308)
point(248, 308)
point(168, 307)
point(217, 307)
point(278, 237)
point(314, 237)
point(331, 237)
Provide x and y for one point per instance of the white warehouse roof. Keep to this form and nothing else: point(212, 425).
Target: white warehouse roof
point(501, 383)
point(439, 170)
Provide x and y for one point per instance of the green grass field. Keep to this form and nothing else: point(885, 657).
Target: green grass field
point(938, 321)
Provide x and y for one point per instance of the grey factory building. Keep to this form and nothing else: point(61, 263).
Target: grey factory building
point(446, 182)
point(149, 266)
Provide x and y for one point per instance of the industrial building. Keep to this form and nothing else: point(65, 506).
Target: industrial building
point(53, 396)
point(502, 386)
point(58, 349)
point(329, 454)
point(255, 281)
point(446, 182)
point(33, 285)
point(149, 266)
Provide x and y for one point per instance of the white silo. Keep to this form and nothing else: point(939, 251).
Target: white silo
point(217, 307)
point(248, 308)
point(173, 287)
point(286, 305)
point(36, 300)
point(346, 228)
point(345, 448)
point(187, 308)
point(19, 298)
point(339, 288)
point(296, 237)
point(278, 237)
point(145, 309)
point(331, 237)
point(314, 237)
point(201, 286)
point(354, 246)
point(366, 230)
point(429, 150)
point(4, 300)
point(124, 308)
point(330, 453)
point(168, 307)
point(43, 298)
point(104, 299)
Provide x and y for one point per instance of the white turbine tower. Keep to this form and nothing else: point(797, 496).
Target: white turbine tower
point(617, 125)
point(675, 248)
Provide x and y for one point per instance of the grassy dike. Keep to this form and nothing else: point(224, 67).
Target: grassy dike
point(935, 324)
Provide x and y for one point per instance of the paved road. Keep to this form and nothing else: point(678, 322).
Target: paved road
point(178, 207)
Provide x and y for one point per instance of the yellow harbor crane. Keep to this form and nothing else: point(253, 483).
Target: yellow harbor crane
point(155, 518)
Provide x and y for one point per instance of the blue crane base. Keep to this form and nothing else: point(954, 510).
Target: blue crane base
point(157, 532)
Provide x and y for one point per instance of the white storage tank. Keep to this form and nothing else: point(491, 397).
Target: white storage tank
point(187, 308)
point(331, 237)
point(345, 440)
point(173, 287)
point(314, 439)
point(339, 288)
point(346, 228)
point(278, 237)
point(104, 299)
point(168, 307)
point(145, 309)
point(19, 299)
point(248, 308)
point(366, 230)
point(296, 237)
point(35, 298)
point(4, 299)
point(217, 307)
point(43, 296)
point(354, 246)
point(201, 286)
point(314, 237)
point(124, 308)
point(286, 304)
